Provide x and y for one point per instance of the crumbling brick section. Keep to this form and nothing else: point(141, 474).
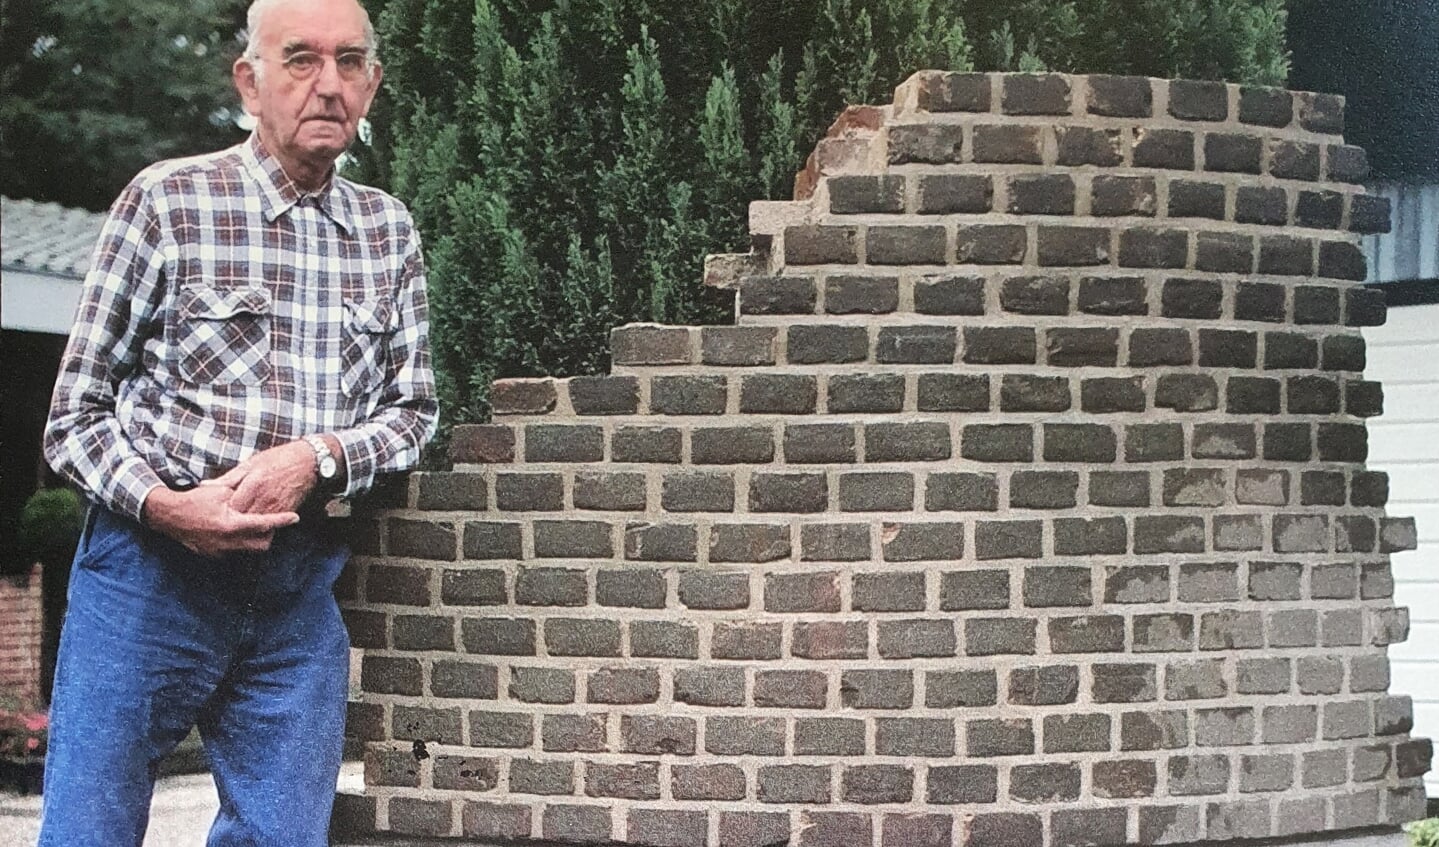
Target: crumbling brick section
point(1024, 504)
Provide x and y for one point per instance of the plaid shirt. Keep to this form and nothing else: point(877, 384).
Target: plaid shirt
point(227, 312)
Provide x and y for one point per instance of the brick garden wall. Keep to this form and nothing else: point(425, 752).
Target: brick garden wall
point(21, 623)
point(1024, 504)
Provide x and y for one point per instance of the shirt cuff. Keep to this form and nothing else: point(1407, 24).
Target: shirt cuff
point(133, 482)
point(359, 460)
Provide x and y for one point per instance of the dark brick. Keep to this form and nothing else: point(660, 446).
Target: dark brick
point(876, 492)
point(999, 636)
point(1123, 195)
point(1265, 106)
point(961, 492)
point(1224, 441)
point(1230, 630)
point(604, 395)
point(734, 444)
point(1124, 683)
point(819, 443)
point(1252, 395)
point(1293, 160)
point(1224, 252)
point(1154, 730)
point(1054, 685)
point(828, 737)
point(865, 393)
point(1035, 94)
point(1027, 393)
point(1198, 100)
point(1190, 199)
point(949, 295)
point(1007, 144)
point(998, 442)
point(709, 686)
point(1347, 163)
point(1168, 534)
point(1149, 347)
point(1161, 442)
point(663, 640)
point(946, 392)
point(575, 637)
point(922, 542)
point(931, 143)
point(1321, 112)
point(790, 689)
point(646, 444)
point(1342, 260)
point(1343, 442)
point(870, 784)
point(689, 491)
point(834, 542)
point(784, 295)
point(827, 344)
point(835, 829)
point(1364, 307)
point(482, 444)
point(638, 781)
point(498, 636)
point(918, 830)
point(1316, 304)
point(1312, 395)
point(576, 823)
point(501, 729)
point(451, 492)
point(1087, 634)
point(934, 345)
point(1076, 733)
point(1079, 443)
point(910, 639)
point(1119, 488)
point(541, 685)
point(688, 395)
point(1288, 442)
point(707, 782)
point(957, 689)
point(1141, 247)
point(830, 640)
point(621, 492)
point(846, 295)
point(573, 539)
point(632, 589)
point(1290, 350)
point(914, 737)
point(954, 92)
point(1319, 209)
point(535, 492)
point(801, 592)
point(778, 492)
point(422, 540)
point(387, 675)
point(1168, 149)
point(1286, 256)
point(1344, 353)
point(746, 641)
point(1041, 194)
point(1232, 153)
point(1261, 205)
point(523, 396)
point(1119, 96)
point(1363, 399)
point(859, 194)
point(1220, 348)
point(715, 591)
point(1191, 775)
point(1187, 393)
point(999, 345)
point(421, 632)
point(944, 194)
point(1090, 536)
point(666, 827)
point(412, 816)
point(1043, 489)
point(1113, 296)
point(1259, 301)
point(1048, 783)
point(989, 244)
point(820, 245)
point(974, 589)
point(1124, 778)
point(646, 542)
point(999, 737)
point(876, 689)
point(1082, 145)
point(1192, 298)
point(905, 245)
point(563, 443)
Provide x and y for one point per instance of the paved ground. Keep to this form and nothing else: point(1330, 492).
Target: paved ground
point(179, 816)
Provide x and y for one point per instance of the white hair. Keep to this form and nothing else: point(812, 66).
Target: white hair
point(256, 15)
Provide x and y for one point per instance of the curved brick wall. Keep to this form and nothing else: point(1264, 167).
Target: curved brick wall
point(1025, 504)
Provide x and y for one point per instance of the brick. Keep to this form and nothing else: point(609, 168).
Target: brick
point(1163, 633)
point(714, 591)
point(1198, 775)
point(422, 540)
point(1259, 301)
point(1293, 628)
point(1230, 630)
point(1090, 537)
point(1323, 768)
point(1158, 442)
point(1076, 733)
point(1154, 730)
point(398, 768)
point(855, 194)
point(646, 444)
point(1035, 295)
point(1122, 195)
point(1079, 443)
point(1030, 393)
point(660, 542)
point(918, 830)
point(1141, 247)
point(777, 492)
point(753, 829)
point(1081, 346)
point(954, 92)
point(619, 492)
point(1007, 144)
point(1008, 540)
point(538, 492)
point(974, 589)
point(1354, 534)
point(1186, 393)
point(1043, 686)
point(1168, 149)
point(541, 685)
point(1315, 304)
point(744, 736)
point(746, 641)
point(1319, 675)
point(830, 640)
point(1197, 100)
point(1137, 584)
point(1319, 209)
point(1320, 112)
point(688, 395)
point(1265, 106)
point(835, 829)
point(653, 735)
point(957, 689)
point(1113, 296)
point(820, 245)
point(909, 639)
point(1252, 396)
point(638, 781)
point(1369, 488)
point(1344, 353)
point(1047, 783)
point(1342, 260)
point(1191, 199)
point(1347, 163)
point(905, 245)
point(604, 395)
point(1288, 442)
point(871, 784)
point(989, 244)
point(1219, 348)
point(999, 345)
point(999, 737)
point(914, 737)
point(1004, 829)
point(1254, 204)
point(938, 294)
point(707, 782)
point(501, 729)
point(498, 636)
point(1224, 727)
point(930, 143)
point(1081, 145)
point(888, 592)
point(666, 828)
point(819, 443)
point(697, 492)
point(920, 441)
point(573, 539)
point(1119, 96)
point(915, 345)
point(828, 737)
point(802, 592)
point(523, 396)
point(416, 632)
point(865, 393)
point(784, 295)
point(1168, 824)
point(876, 689)
point(1041, 194)
point(482, 444)
point(1087, 634)
point(733, 444)
point(1293, 159)
point(876, 492)
point(563, 443)
point(623, 686)
point(944, 194)
point(749, 543)
point(412, 816)
point(1223, 252)
point(386, 675)
point(1285, 255)
point(1035, 94)
point(1285, 350)
point(576, 823)
point(1075, 827)
point(998, 442)
point(999, 636)
point(1363, 399)
point(709, 686)
point(1149, 347)
point(1232, 152)
point(1322, 488)
point(1043, 489)
point(1123, 683)
point(451, 492)
point(1263, 676)
point(827, 344)
point(790, 689)
point(567, 637)
point(945, 392)
point(1124, 778)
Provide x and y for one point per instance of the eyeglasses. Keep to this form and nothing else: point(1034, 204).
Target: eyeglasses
point(352, 65)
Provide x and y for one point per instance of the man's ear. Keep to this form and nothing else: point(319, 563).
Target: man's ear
point(247, 84)
point(375, 76)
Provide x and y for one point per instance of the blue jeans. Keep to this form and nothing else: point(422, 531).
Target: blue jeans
point(157, 640)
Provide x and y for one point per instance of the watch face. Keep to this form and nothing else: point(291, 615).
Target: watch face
point(327, 467)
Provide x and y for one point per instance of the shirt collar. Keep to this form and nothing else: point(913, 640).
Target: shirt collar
point(279, 193)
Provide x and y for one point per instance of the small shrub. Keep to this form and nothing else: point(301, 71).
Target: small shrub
point(1424, 833)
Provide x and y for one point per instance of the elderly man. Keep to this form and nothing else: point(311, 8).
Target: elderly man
point(251, 340)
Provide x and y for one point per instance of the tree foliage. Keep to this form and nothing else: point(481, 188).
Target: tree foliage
point(570, 162)
point(91, 91)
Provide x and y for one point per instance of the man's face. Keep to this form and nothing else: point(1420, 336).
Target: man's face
point(307, 112)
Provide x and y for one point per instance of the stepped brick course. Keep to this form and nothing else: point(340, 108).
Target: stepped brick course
point(1024, 504)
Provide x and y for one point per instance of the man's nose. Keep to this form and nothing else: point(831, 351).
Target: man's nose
point(328, 82)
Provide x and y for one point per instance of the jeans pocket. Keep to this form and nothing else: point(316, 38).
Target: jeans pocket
point(104, 535)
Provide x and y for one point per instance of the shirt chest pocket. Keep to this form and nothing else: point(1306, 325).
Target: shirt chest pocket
point(223, 336)
point(365, 345)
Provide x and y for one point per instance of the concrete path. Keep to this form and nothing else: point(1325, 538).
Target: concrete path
point(180, 814)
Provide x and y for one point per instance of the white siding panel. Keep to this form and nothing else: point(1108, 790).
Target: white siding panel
point(1403, 354)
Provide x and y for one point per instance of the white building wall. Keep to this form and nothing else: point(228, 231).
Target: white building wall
point(1403, 354)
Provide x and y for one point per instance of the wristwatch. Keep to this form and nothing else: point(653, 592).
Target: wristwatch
point(325, 465)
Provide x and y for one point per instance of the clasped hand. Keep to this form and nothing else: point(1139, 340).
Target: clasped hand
point(240, 510)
